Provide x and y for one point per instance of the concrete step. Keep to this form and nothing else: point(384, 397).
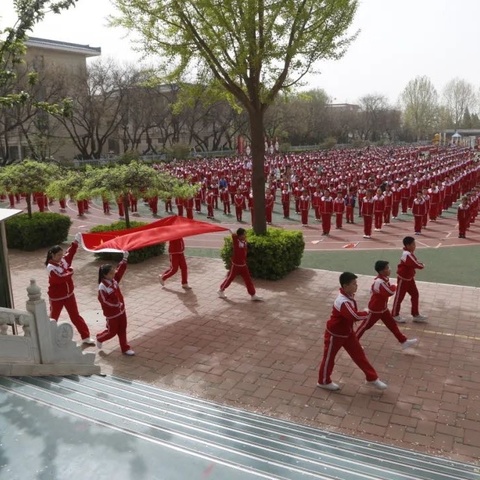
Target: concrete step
point(194, 436)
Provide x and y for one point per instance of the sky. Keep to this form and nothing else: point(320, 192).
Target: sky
point(398, 40)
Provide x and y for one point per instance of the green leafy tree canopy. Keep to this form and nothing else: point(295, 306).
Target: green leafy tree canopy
point(253, 49)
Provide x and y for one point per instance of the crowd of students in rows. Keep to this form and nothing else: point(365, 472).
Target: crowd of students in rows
point(377, 184)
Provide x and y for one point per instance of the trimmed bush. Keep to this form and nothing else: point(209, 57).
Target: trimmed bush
point(136, 256)
point(43, 229)
point(271, 256)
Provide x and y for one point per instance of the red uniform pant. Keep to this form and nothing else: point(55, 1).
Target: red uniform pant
point(386, 318)
point(352, 346)
point(404, 287)
point(395, 209)
point(462, 226)
point(177, 260)
point(378, 220)
point(349, 214)
point(286, 209)
point(80, 207)
point(116, 327)
point(338, 220)
point(386, 215)
point(238, 213)
point(367, 225)
point(209, 210)
point(198, 205)
point(190, 213)
point(226, 208)
point(326, 222)
point(304, 217)
point(244, 272)
point(70, 304)
point(404, 204)
point(268, 214)
point(418, 222)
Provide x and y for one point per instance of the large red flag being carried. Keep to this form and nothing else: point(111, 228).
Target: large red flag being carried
point(164, 230)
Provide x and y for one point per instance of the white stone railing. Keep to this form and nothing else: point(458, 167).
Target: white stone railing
point(45, 348)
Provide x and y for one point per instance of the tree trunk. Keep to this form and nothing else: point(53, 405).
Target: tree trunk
point(258, 175)
point(127, 213)
point(28, 198)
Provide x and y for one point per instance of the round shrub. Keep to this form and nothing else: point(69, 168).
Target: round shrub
point(42, 229)
point(136, 256)
point(271, 256)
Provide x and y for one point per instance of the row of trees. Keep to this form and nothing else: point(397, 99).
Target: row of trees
point(113, 107)
point(110, 182)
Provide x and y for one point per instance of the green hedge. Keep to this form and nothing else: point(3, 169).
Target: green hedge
point(271, 256)
point(136, 256)
point(43, 229)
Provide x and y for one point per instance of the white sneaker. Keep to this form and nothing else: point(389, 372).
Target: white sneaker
point(409, 343)
point(88, 341)
point(186, 286)
point(377, 384)
point(399, 319)
point(221, 294)
point(256, 298)
point(420, 318)
point(99, 345)
point(129, 353)
point(329, 386)
point(162, 281)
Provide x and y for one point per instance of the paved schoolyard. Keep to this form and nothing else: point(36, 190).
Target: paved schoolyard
point(264, 356)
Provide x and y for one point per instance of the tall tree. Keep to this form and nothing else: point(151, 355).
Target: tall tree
point(12, 50)
point(420, 103)
point(253, 49)
point(459, 97)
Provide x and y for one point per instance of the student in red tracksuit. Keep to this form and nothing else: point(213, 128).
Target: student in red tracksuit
point(406, 282)
point(304, 206)
point(286, 202)
point(176, 249)
point(396, 198)
point(239, 266)
point(339, 208)
point(316, 201)
point(189, 203)
point(378, 209)
point(326, 211)
point(210, 202)
point(60, 287)
point(113, 305)
point(225, 199)
point(463, 216)
point(381, 291)
point(388, 195)
point(367, 214)
point(339, 333)
point(419, 211)
point(349, 206)
point(240, 205)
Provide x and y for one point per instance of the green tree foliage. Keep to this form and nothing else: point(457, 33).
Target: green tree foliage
point(135, 178)
point(251, 49)
point(27, 178)
point(420, 102)
point(69, 184)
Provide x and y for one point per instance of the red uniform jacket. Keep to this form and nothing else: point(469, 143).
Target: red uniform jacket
point(60, 282)
point(176, 246)
point(239, 257)
point(381, 291)
point(344, 314)
point(367, 206)
point(407, 266)
point(109, 294)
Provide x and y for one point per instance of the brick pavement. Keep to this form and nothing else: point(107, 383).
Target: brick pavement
point(264, 356)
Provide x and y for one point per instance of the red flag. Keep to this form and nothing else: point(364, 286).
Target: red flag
point(170, 228)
